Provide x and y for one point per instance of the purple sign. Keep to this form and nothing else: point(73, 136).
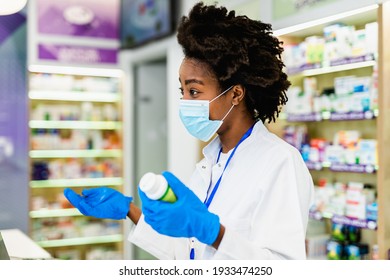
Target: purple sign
point(309, 117)
point(367, 115)
point(356, 168)
point(77, 54)
point(349, 60)
point(367, 224)
point(85, 18)
point(303, 67)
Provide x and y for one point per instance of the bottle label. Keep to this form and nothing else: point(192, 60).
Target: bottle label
point(168, 196)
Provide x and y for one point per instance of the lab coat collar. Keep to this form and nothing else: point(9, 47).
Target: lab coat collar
point(210, 152)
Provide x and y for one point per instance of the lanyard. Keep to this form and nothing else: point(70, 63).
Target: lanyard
point(209, 199)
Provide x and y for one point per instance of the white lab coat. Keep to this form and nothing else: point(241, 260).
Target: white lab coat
point(263, 201)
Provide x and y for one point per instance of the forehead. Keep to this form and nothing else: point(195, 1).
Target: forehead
point(195, 69)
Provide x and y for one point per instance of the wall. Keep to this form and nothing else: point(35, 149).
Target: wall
point(309, 12)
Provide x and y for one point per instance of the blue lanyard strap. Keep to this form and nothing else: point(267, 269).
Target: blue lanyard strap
point(210, 198)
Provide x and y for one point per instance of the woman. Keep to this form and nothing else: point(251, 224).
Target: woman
point(250, 195)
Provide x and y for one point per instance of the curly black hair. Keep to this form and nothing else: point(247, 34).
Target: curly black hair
point(238, 50)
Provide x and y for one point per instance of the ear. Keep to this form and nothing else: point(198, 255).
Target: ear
point(238, 94)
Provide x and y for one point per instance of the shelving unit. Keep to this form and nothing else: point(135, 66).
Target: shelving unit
point(76, 131)
point(372, 124)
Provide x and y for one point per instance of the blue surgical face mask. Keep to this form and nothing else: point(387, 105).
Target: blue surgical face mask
point(195, 116)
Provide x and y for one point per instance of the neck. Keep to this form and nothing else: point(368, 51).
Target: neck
point(232, 135)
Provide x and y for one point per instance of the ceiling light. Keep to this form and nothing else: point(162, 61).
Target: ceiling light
point(8, 7)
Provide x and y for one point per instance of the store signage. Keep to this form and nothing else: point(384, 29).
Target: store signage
point(285, 8)
point(81, 18)
point(74, 32)
point(77, 54)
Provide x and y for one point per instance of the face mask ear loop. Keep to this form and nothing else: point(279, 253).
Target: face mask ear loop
point(222, 93)
point(231, 108)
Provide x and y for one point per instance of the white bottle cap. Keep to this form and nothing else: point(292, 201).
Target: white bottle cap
point(153, 185)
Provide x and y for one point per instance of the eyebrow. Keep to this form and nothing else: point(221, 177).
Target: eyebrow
point(192, 81)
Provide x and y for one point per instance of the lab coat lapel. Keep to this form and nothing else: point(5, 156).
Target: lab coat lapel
point(210, 153)
point(204, 169)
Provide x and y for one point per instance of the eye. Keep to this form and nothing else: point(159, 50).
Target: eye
point(190, 93)
point(193, 92)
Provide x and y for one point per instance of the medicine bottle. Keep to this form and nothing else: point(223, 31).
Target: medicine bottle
point(156, 187)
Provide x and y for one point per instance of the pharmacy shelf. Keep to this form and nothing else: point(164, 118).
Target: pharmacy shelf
point(101, 125)
point(114, 238)
point(82, 182)
point(378, 128)
point(310, 70)
point(75, 153)
point(51, 213)
point(338, 68)
point(47, 91)
point(75, 96)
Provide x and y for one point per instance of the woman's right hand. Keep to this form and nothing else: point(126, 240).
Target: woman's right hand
point(103, 202)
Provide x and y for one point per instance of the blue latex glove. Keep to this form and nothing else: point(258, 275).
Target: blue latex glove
point(103, 202)
point(187, 217)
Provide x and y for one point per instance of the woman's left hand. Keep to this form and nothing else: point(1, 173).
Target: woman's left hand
point(187, 217)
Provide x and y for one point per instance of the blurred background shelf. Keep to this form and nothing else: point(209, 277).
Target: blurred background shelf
point(81, 241)
point(54, 183)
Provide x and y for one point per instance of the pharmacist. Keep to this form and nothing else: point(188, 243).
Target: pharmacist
point(249, 197)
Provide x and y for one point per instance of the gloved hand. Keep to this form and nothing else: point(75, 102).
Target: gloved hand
point(187, 217)
point(103, 202)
